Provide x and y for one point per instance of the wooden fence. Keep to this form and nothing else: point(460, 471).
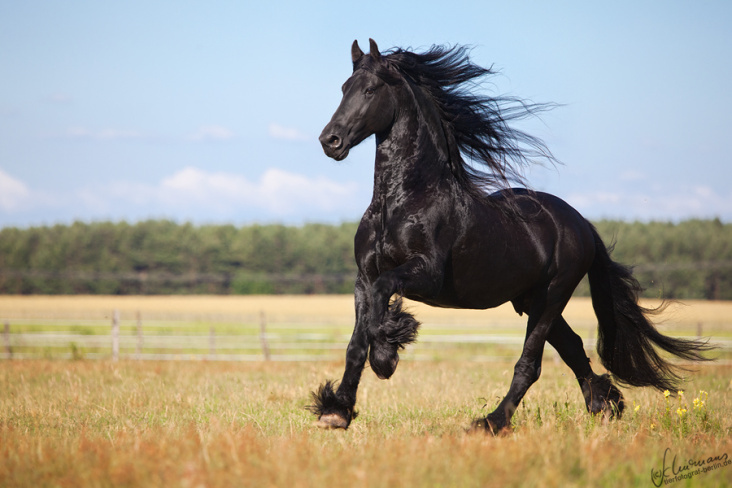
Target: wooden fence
point(175, 340)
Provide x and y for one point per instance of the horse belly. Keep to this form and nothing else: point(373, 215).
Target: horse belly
point(487, 285)
point(492, 274)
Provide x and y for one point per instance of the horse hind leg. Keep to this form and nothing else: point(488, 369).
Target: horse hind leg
point(528, 368)
point(398, 329)
point(601, 396)
point(498, 422)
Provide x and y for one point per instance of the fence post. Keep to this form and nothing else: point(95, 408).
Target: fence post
point(139, 335)
point(6, 336)
point(263, 335)
point(115, 335)
point(211, 343)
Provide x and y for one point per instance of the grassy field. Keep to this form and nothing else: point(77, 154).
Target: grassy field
point(96, 423)
point(200, 423)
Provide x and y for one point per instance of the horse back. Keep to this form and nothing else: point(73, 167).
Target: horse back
point(513, 243)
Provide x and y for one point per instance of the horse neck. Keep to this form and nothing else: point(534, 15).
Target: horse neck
point(414, 152)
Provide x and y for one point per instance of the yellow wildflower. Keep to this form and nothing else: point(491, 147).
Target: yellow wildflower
point(666, 393)
point(637, 407)
point(681, 411)
point(700, 401)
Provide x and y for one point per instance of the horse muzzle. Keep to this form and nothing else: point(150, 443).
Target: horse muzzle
point(333, 145)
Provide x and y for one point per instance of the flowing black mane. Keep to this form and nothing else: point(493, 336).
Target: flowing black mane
point(477, 126)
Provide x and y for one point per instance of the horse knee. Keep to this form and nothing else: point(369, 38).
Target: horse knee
point(383, 288)
point(536, 373)
point(530, 371)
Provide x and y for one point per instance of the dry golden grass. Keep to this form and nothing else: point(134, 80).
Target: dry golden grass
point(223, 424)
point(97, 423)
point(176, 306)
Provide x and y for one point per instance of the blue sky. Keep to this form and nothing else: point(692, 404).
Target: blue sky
point(209, 111)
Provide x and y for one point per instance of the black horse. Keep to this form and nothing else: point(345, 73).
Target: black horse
point(433, 233)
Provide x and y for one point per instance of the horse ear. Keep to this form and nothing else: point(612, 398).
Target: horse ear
point(356, 52)
point(374, 50)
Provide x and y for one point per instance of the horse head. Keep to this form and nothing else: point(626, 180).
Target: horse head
point(368, 106)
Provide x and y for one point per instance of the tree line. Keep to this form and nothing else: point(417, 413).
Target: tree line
point(690, 259)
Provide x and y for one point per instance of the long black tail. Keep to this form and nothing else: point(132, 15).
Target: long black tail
point(626, 336)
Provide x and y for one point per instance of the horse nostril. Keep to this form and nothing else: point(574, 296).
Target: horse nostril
point(333, 141)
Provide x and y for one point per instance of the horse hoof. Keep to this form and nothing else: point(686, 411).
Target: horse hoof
point(480, 426)
point(485, 426)
point(383, 358)
point(603, 398)
point(332, 421)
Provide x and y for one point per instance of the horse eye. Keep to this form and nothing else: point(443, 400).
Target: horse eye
point(369, 91)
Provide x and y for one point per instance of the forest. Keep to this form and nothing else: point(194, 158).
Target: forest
point(691, 259)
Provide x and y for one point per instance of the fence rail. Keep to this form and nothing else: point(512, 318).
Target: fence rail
point(276, 341)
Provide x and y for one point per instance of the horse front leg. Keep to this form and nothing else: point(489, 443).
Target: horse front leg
point(382, 328)
point(390, 328)
point(335, 408)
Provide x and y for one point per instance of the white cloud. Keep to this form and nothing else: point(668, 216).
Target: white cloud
point(13, 192)
point(212, 133)
point(659, 203)
point(192, 186)
point(188, 194)
point(277, 131)
point(199, 195)
point(278, 193)
point(285, 192)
